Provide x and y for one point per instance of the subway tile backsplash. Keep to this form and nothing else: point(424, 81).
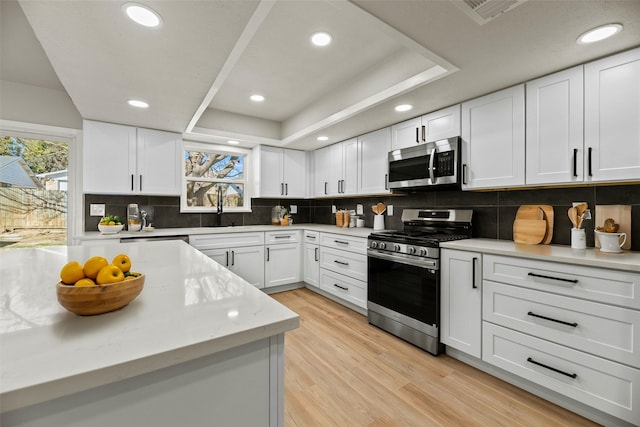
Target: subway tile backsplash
point(494, 211)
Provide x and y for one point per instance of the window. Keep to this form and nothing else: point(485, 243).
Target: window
point(213, 174)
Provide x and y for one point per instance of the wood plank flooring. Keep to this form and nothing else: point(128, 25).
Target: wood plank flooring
point(341, 371)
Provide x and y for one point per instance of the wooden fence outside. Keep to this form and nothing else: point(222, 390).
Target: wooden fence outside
point(32, 208)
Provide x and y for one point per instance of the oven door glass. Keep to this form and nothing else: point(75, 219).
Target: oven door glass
point(406, 289)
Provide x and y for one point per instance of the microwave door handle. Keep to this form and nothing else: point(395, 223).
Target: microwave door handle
point(432, 158)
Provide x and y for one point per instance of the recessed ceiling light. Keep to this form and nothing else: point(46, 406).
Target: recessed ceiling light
point(257, 98)
point(403, 107)
point(142, 14)
point(599, 33)
point(323, 138)
point(233, 142)
point(321, 39)
point(138, 104)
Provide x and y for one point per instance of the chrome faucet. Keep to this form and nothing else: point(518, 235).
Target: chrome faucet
point(219, 207)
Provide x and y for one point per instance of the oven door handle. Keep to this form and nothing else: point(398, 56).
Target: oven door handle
point(423, 262)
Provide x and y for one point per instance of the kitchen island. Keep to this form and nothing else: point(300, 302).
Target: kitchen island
point(198, 346)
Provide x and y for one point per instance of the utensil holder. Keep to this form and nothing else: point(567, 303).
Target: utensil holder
point(378, 222)
point(578, 238)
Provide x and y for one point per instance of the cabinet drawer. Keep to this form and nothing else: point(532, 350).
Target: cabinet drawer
point(225, 240)
point(285, 236)
point(347, 288)
point(312, 237)
point(603, 330)
point(597, 284)
point(346, 243)
point(343, 262)
point(608, 386)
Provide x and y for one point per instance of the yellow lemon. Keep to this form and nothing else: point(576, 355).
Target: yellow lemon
point(85, 282)
point(71, 272)
point(123, 262)
point(109, 274)
point(93, 265)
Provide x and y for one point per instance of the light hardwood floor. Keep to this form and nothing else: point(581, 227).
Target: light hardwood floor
point(341, 371)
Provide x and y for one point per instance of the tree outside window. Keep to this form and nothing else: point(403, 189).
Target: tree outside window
point(208, 169)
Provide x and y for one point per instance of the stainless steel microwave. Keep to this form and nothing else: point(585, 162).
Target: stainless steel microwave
point(431, 164)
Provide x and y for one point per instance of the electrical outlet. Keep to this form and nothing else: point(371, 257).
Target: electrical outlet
point(96, 210)
point(334, 209)
point(390, 210)
point(293, 209)
point(359, 209)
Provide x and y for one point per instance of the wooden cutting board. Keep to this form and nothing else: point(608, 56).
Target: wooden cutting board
point(621, 214)
point(529, 222)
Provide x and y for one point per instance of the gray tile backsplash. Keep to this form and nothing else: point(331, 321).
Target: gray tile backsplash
point(494, 211)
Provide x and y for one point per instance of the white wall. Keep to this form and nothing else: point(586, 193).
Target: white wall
point(31, 104)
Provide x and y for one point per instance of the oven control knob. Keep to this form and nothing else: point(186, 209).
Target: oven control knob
point(374, 244)
point(422, 252)
point(396, 248)
point(382, 245)
point(412, 250)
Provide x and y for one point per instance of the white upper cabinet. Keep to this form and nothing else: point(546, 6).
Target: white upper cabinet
point(322, 172)
point(493, 140)
point(279, 172)
point(612, 118)
point(555, 138)
point(434, 126)
point(336, 169)
point(120, 159)
point(373, 166)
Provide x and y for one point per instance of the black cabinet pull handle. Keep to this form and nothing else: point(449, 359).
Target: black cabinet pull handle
point(282, 189)
point(553, 278)
point(418, 135)
point(531, 313)
point(575, 162)
point(473, 272)
point(340, 262)
point(464, 174)
point(316, 254)
point(226, 263)
point(311, 237)
point(233, 258)
point(286, 189)
point(267, 254)
point(325, 187)
point(590, 155)
point(344, 288)
point(386, 181)
point(342, 242)
point(131, 182)
point(530, 360)
point(424, 133)
point(140, 182)
point(285, 236)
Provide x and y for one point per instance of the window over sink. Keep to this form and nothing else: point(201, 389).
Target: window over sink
point(210, 171)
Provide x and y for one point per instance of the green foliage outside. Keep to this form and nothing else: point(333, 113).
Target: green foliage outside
point(41, 156)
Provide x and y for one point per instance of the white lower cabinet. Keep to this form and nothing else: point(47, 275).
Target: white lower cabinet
point(572, 329)
point(242, 253)
point(461, 300)
point(343, 267)
point(311, 258)
point(283, 260)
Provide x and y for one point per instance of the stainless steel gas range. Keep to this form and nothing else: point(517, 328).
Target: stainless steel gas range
point(404, 276)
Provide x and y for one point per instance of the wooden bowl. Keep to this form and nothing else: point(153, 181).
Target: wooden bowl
point(89, 300)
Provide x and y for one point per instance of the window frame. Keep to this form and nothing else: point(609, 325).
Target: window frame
point(218, 149)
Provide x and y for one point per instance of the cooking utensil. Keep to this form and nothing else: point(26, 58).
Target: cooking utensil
point(585, 215)
point(573, 216)
point(621, 214)
point(530, 212)
point(549, 218)
point(379, 209)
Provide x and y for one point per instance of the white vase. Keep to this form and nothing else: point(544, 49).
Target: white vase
point(378, 222)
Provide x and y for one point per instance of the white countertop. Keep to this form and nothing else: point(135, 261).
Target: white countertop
point(590, 257)
point(190, 307)
point(164, 232)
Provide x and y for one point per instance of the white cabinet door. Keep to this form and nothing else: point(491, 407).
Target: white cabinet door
point(461, 300)
point(109, 158)
point(373, 164)
point(294, 173)
point(554, 152)
point(349, 167)
point(248, 263)
point(612, 118)
point(282, 266)
point(405, 134)
point(493, 140)
point(441, 124)
point(221, 256)
point(268, 169)
point(322, 171)
point(311, 264)
point(158, 162)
